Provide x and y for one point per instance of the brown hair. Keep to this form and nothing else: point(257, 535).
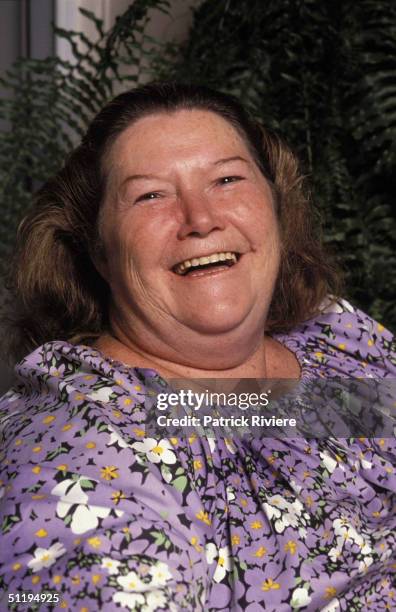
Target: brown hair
point(56, 291)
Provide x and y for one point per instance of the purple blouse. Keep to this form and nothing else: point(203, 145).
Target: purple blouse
point(109, 519)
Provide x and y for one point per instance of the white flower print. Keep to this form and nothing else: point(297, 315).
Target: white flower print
point(346, 532)
point(329, 463)
point(224, 560)
point(300, 598)
point(332, 304)
point(286, 513)
point(154, 600)
point(210, 552)
point(111, 565)
point(334, 553)
point(212, 444)
point(230, 494)
point(129, 600)
point(160, 574)
point(296, 487)
point(156, 451)
point(332, 606)
point(271, 508)
point(166, 473)
point(101, 395)
point(365, 564)
point(224, 564)
point(132, 583)
point(116, 438)
point(366, 465)
point(84, 517)
point(230, 446)
point(45, 557)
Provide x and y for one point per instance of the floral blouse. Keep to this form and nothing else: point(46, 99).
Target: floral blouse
point(105, 518)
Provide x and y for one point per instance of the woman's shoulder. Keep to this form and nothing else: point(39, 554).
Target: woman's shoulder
point(64, 393)
point(343, 340)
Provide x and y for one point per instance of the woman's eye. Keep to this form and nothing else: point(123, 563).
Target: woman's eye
point(152, 195)
point(225, 180)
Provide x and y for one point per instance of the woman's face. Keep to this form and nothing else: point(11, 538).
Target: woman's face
point(183, 190)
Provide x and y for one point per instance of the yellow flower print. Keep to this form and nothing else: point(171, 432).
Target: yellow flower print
point(260, 552)
point(41, 533)
point(330, 592)
point(95, 542)
point(197, 464)
point(48, 419)
point(117, 496)
point(235, 540)
point(204, 517)
point(270, 585)
point(291, 547)
point(195, 542)
point(109, 472)
point(256, 525)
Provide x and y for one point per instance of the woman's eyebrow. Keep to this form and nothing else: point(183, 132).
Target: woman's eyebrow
point(229, 159)
point(137, 177)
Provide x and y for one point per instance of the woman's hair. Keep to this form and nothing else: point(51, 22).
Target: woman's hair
point(56, 291)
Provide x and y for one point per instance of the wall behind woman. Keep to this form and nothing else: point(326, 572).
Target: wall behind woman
point(27, 32)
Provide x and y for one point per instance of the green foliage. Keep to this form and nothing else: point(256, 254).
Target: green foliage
point(51, 102)
point(323, 74)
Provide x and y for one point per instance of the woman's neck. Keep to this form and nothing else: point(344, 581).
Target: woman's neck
point(269, 360)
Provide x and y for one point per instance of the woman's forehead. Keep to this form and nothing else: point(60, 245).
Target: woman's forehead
point(182, 132)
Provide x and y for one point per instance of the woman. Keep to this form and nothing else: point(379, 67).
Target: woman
point(175, 236)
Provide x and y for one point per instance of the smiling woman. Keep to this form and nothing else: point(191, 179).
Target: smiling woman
point(178, 242)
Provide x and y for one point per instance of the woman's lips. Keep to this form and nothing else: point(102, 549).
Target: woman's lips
point(207, 272)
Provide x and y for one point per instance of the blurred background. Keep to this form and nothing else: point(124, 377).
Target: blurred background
point(323, 74)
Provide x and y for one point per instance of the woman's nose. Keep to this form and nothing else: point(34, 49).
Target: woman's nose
point(198, 215)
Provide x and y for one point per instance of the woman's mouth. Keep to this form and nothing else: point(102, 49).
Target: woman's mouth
point(209, 263)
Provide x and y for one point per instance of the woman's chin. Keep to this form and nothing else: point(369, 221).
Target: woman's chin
point(215, 320)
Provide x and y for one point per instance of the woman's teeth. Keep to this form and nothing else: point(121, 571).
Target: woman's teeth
point(196, 262)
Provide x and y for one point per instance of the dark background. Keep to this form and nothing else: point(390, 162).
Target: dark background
point(322, 74)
